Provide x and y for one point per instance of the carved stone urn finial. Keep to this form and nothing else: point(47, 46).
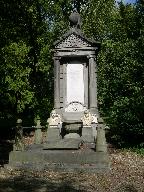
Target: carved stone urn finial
point(75, 19)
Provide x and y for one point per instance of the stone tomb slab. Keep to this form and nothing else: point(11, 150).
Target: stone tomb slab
point(67, 143)
point(60, 160)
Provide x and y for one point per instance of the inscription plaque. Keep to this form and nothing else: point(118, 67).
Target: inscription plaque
point(75, 83)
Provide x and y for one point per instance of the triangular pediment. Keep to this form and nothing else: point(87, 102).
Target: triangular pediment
point(73, 40)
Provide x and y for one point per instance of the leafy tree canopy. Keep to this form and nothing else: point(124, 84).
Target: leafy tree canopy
point(28, 29)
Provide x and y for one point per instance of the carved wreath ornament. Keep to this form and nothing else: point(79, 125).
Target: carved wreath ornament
point(75, 106)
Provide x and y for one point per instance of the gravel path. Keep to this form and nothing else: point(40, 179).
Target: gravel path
point(126, 175)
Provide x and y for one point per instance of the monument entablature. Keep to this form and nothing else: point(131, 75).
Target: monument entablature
point(75, 44)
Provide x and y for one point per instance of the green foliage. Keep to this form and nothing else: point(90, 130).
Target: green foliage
point(121, 73)
point(25, 58)
point(28, 30)
point(138, 150)
point(97, 18)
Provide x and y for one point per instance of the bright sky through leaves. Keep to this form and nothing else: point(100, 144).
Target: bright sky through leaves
point(128, 1)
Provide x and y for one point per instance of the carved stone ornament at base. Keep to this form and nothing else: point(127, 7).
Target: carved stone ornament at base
point(55, 119)
point(18, 146)
point(94, 119)
point(89, 118)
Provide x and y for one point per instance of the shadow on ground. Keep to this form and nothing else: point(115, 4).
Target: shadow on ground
point(29, 184)
point(5, 148)
point(7, 135)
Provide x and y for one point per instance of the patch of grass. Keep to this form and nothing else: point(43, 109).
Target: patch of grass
point(139, 149)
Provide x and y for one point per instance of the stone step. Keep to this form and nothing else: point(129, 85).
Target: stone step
point(65, 160)
point(66, 143)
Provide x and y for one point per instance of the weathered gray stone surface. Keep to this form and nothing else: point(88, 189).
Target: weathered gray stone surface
point(60, 160)
point(19, 144)
point(87, 134)
point(38, 136)
point(101, 145)
point(53, 134)
point(72, 136)
point(67, 143)
point(38, 133)
point(72, 116)
point(75, 87)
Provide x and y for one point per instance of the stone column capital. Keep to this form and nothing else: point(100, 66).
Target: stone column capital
point(91, 57)
point(56, 58)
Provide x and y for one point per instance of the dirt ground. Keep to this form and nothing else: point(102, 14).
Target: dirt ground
point(126, 175)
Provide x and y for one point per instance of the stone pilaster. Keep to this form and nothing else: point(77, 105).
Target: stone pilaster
point(92, 84)
point(57, 83)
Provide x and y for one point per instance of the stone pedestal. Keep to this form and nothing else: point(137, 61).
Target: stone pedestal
point(38, 136)
point(53, 134)
point(19, 144)
point(38, 133)
point(87, 134)
point(101, 145)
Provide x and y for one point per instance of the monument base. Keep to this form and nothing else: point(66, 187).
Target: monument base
point(63, 144)
point(59, 160)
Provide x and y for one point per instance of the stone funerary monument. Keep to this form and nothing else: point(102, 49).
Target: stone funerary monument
point(75, 116)
point(76, 133)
